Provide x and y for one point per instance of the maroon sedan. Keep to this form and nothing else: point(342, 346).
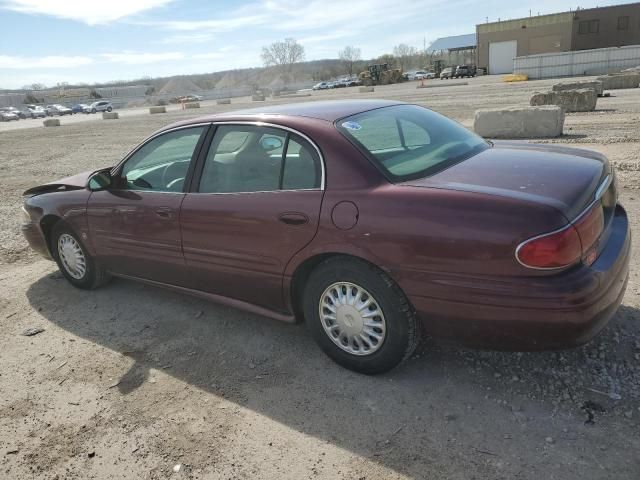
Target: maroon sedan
point(372, 220)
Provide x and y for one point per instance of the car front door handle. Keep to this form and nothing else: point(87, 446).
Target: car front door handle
point(164, 212)
point(293, 218)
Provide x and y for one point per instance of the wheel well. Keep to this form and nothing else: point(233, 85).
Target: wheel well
point(46, 224)
point(301, 275)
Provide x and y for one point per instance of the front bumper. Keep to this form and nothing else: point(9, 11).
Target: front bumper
point(534, 313)
point(36, 239)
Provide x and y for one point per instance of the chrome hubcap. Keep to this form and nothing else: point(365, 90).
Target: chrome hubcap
point(71, 256)
point(352, 318)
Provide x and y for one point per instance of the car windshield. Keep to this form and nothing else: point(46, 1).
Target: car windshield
point(407, 141)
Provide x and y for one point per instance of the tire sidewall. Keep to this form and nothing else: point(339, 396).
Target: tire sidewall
point(391, 301)
point(89, 278)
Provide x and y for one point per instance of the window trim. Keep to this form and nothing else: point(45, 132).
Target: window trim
point(194, 181)
point(627, 20)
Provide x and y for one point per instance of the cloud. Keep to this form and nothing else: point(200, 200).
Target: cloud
point(135, 58)
point(91, 12)
point(212, 25)
point(48, 62)
point(187, 38)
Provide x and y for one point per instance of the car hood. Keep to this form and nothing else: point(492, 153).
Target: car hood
point(561, 177)
point(74, 182)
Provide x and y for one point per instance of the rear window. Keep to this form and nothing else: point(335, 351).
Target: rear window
point(407, 141)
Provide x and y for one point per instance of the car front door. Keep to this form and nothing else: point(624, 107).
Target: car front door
point(134, 224)
point(255, 202)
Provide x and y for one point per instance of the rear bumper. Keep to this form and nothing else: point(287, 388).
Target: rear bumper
point(533, 313)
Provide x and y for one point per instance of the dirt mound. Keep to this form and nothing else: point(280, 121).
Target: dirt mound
point(179, 86)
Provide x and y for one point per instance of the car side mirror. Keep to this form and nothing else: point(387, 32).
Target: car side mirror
point(270, 143)
point(100, 181)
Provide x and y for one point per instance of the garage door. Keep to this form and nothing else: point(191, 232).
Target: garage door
point(501, 55)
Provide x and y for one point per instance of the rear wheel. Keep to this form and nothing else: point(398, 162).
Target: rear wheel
point(358, 316)
point(109, 109)
point(74, 261)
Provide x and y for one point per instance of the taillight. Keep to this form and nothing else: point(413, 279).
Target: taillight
point(553, 250)
point(564, 247)
point(590, 226)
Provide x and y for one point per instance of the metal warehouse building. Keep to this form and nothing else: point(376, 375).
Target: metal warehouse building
point(500, 42)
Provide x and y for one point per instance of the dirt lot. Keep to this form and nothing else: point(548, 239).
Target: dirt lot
point(133, 382)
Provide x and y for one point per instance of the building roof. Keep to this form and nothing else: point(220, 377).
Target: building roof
point(455, 42)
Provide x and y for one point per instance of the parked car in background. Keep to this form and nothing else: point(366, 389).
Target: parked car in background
point(80, 108)
point(380, 221)
point(57, 109)
point(7, 115)
point(36, 111)
point(320, 86)
point(447, 73)
point(465, 71)
point(426, 76)
point(17, 111)
point(100, 106)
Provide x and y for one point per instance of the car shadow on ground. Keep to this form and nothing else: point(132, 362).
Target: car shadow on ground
point(437, 410)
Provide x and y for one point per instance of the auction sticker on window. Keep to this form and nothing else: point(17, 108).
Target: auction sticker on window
point(352, 125)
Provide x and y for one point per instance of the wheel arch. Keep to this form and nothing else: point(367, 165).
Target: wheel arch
point(47, 222)
point(305, 268)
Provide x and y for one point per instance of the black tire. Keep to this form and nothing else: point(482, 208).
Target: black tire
point(94, 276)
point(402, 326)
point(109, 109)
point(93, 110)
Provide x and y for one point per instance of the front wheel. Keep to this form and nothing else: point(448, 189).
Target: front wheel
point(109, 109)
point(74, 261)
point(358, 316)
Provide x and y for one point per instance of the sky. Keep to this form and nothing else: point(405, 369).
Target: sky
point(52, 41)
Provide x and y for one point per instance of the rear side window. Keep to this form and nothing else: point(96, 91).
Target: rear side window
point(407, 141)
point(249, 158)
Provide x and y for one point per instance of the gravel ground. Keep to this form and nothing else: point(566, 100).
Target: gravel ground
point(133, 382)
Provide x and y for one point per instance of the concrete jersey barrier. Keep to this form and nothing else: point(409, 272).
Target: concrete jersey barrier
point(596, 85)
point(583, 100)
point(617, 81)
point(520, 122)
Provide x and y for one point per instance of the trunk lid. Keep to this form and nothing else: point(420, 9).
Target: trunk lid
point(564, 178)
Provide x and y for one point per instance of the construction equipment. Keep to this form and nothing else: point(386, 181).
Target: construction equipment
point(380, 74)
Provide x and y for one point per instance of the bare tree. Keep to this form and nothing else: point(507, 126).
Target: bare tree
point(404, 55)
point(35, 86)
point(349, 55)
point(283, 54)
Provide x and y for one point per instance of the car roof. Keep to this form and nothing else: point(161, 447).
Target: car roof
point(329, 110)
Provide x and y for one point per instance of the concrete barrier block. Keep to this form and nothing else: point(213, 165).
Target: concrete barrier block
point(520, 122)
point(257, 98)
point(366, 89)
point(223, 101)
point(51, 122)
point(110, 115)
point(153, 110)
point(617, 81)
point(583, 100)
point(192, 105)
point(579, 85)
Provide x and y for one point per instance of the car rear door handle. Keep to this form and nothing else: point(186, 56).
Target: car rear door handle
point(293, 218)
point(164, 212)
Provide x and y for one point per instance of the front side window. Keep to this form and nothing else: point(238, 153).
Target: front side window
point(407, 141)
point(594, 26)
point(248, 158)
point(161, 164)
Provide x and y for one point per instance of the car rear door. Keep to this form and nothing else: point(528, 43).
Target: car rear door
point(254, 202)
point(134, 225)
